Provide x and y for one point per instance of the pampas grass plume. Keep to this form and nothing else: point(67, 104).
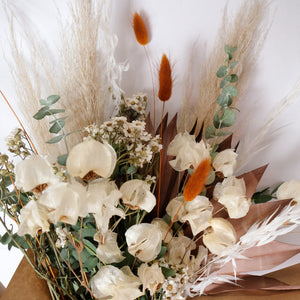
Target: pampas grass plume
point(140, 30)
point(165, 79)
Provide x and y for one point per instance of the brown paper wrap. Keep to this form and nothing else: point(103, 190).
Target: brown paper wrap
point(25, 285)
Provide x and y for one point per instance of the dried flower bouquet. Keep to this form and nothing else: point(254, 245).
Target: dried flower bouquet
point(131, 211)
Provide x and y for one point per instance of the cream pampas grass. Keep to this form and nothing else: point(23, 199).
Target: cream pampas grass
point(87, 78)
point(247, 31)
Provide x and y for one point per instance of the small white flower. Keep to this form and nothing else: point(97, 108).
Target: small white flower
point(136, 194)
point(65, 201)
point(115, 284)
point(151, 277)
point(91, 156)
point(33, 218)
point(179, 250)
point(225, 162)
point(197, 212)
point(232, 194)
point(187, 151)
point(220, 236)
point(289, 190)
point(102, 200)
point(144, 241)
point(108, 250)
point(163, 227)
point(34, 172)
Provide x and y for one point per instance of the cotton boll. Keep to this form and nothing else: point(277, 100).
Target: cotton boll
point(144, 241)
point(91, 156)
point(220, 236)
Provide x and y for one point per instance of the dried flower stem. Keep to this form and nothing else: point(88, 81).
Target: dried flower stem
point(16, 116)
point(174, 218)
point(153, 85)
point(160, 159)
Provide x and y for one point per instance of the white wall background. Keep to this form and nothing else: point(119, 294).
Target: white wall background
point(177, 25)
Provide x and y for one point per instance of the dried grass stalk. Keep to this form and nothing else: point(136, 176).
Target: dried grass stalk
point(247, 31)
point(86, 75)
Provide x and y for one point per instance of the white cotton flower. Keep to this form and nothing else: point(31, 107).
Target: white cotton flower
point(136, 195)
point(232, 194)
point(151, 277)
point(33, 219)
point(33, 173)
point(108, 250)
point(179, 250)
point(220, 236)
point(173, 206)
point(144, 241)
point(164, 228)
point(197, 212)
point(115, 284)
point(187, 151)
point(91, 156)
point(289, 190)
point(102, 200)
point(65, 201)
point(225, 162)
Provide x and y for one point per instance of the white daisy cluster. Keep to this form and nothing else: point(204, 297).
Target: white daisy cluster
point(134, 107)
point(174, 287)
point(129, 136)
point(15, 143)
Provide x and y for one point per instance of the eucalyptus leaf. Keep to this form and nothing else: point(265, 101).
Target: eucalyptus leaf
point(62, 159)
point(223, 99)
point(91, 263)
point(88, 232)
point(210, 132)
point(52, 99)
point(167, 272)
point(57, 126)
point(91, 247)
point(227, 49)
point(225, 81)
point(162, 252)
point(55, 139)
point(222, 71)
point(230, 90)
point(131, 170)
point(234, 78)
point(20, 240)
point(233, 49)
point(5, 239)
point(42, 113)
point(43, 102)
point(228, 118)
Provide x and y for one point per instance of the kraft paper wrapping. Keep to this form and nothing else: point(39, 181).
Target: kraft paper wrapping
point(25, 285)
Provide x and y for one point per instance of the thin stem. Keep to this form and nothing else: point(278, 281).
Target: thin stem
point(153, 86)
point(174, 218)
point(12, 110)
point(160, 159)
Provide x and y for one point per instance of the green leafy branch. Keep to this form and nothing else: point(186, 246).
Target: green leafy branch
point(225, 115)
point(56, 125)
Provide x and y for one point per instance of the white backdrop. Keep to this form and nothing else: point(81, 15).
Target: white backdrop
point(176, 25)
